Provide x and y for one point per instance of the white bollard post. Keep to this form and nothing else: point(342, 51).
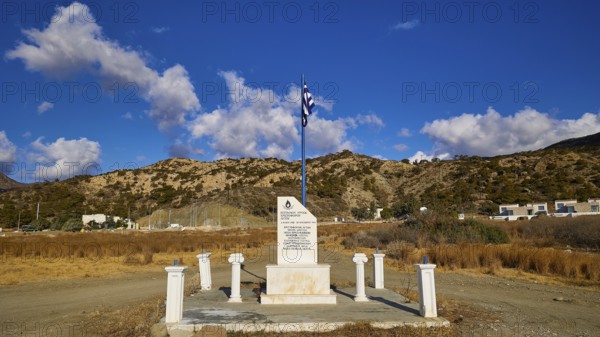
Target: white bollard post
point(204, 267)
point(360, 259)
point(378, 270)
point(175, 287)
point(426, 281)
point(236, 260)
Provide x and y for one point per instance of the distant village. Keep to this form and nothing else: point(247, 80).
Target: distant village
point(562, 208)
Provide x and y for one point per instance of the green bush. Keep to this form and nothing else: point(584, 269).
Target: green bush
point(40, 224)
point(429, 228)
point(361, 213)
point(440, 229)
point(73, 225)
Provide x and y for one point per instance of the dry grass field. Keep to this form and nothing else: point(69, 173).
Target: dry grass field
point(35, 257)
point(57, 255)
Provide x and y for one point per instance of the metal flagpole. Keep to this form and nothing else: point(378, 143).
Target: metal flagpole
point(303, 145)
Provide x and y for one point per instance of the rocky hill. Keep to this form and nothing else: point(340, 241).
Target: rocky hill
point(6, 183)
point(336, 184)
point(587, 141)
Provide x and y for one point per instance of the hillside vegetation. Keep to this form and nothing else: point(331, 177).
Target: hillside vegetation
point(337, 183)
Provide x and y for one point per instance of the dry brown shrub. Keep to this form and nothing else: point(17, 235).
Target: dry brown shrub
point(131, 320)
point(117, 244)
point(580, 231)
point(544, 261)
point(131, 259)
point(493, 267)
point(147, 257)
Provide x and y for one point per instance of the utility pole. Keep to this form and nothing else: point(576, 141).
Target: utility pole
point(169, 217)
point(37, 214)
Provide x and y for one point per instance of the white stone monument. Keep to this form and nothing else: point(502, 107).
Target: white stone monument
point(236, 261)
point(360, 259)
point(175, 287)
point(426, 283)
point(297, 278)
point(378, 270)
point(204, 269)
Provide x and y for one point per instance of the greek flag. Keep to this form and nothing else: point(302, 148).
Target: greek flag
point(307, 105)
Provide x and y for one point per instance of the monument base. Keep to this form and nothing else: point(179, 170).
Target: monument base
point(298, 284)
point(298, 299)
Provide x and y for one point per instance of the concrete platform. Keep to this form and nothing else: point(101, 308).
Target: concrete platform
point(210, 310)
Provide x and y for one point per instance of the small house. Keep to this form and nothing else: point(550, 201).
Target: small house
point(573, 208)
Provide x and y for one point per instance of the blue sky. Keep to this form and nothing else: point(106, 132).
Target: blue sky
point(90, 87)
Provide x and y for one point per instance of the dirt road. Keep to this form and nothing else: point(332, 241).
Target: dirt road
point(490, 306)
point(52, 301)
point(523, 308)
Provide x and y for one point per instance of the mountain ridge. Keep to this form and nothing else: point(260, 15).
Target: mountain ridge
point(590, 140)
point(7, 183)
point(336, 183)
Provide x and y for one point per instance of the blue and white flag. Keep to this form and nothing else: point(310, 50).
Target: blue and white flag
point(307, 105)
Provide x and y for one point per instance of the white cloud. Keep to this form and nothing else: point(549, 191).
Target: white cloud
point(127, 115)
point(26, 134)
point(160, 30)
point(64, 158)
point(45, 106)
point(8, 150)
point(404, 132)
point(370, 119)
point(324, 103)
point(74, 43)
point(400, 147)
point(412, 24)
point(420, 155)
point(493, 134)
point(258, 122)
point(329, 136)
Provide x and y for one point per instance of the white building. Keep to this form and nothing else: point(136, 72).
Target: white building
point(572, 208)
point(562, 208)
point(97, 218)
point(513, 212)
point(378, 213)
point(102, 218)
point(537, 208)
